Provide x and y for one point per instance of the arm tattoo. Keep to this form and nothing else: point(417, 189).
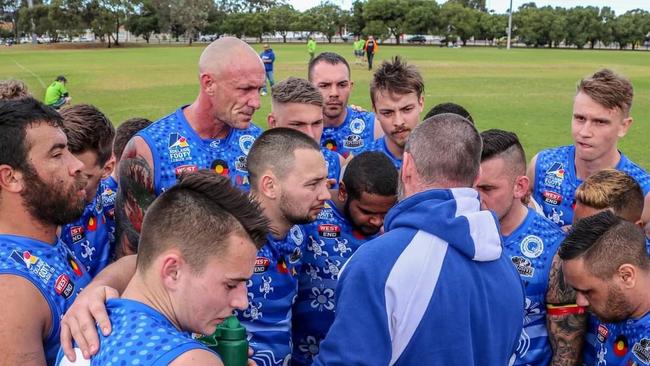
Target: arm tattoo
point(565, 332)
point(135, 194)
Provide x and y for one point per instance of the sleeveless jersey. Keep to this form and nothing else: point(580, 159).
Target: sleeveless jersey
point(531, 248)
point(176, 148)
point(141, 336)
point(333, 165)
point(330, 243)
point(613, 344)
point(271, 293)
point(556, 181)
point(380, 146)
point(353, 135)
point(92, 236)
point(53, 270)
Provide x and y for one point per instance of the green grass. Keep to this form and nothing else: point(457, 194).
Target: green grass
point(523, 90)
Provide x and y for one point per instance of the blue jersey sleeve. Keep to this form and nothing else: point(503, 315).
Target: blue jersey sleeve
point(360, 301)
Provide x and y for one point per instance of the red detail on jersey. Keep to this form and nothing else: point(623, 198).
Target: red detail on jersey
point(74, 266)
point(92, 223)
point(185, 169)
point(620, 346)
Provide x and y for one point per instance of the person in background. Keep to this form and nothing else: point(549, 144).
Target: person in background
point(311, 47)
point(268, 58)
point(370, 48)
point(56, 95)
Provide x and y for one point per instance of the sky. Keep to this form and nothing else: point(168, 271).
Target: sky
point(501, 6)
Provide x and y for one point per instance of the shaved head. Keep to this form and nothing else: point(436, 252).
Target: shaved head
point(223, 52)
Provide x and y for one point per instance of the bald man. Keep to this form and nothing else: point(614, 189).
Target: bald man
point(214, 132)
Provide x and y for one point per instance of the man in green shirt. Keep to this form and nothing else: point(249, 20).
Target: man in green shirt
point(56, 94)
point(311, 47)
point(358, 46)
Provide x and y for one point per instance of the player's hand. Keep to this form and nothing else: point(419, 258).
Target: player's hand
point(79, 322)
point(357, 108)
point(250, 360)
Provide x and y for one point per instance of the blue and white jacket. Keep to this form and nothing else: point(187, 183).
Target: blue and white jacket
point(434, 290)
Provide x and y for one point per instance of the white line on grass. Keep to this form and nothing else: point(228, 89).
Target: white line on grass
point(31, 72)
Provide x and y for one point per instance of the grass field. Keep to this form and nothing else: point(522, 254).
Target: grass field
point(523, 90)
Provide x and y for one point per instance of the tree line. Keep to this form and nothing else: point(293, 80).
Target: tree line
point(454, 20)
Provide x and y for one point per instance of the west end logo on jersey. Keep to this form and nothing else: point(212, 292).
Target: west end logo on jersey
point(63, 286)
point(603, 332)
point(180, 170)
point(296, 235)
point(554, 176)
point(641, 350)
point(34, 264)
point(179, 148)
point(240, 163)
point(357, 125)
point(523, 265)
point(353, 141)
point(552, 198)
point(532, 246)
point(245, 143)
point(77, 234)
point(261, 265)
point(329, 231)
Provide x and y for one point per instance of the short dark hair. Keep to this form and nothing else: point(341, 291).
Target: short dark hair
point(605, 242)
point(198, 215)
point(611, 188)
point(449, 108)
point(125, 132)
point(274, 149)
point(328, 57)
point(446, 149)
point(88, 129)
point(506, 145)
point(608, 89)
point(15, 117)
point(61, 78)
point(396, 76)
point(370, 172)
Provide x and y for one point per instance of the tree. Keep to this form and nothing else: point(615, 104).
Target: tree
point(583, 24)
point(491, 26)
point(38, 15)
point(386, 17)
point(67, 17)
point(459, 21)
point(423, 18)
point(145, 23)
point(192, 14)
point(607, 17)
point(356, 21)
point(283, 19)
point(329, 19)
point(10, 12)
point(472, 4)
point(631, 28)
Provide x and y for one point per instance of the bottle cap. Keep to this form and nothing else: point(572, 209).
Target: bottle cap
point(231, 330)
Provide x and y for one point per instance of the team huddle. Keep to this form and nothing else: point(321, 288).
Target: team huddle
point(338, 236)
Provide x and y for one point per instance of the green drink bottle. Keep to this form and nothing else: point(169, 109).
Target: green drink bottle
point(232, 344)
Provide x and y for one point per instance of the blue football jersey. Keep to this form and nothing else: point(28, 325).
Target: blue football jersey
point(271, 293)
point(333, 163)
point(556, 181)
point(618, 344)
point(531, 248)
point(380, 146)
point(140, 336)
point(92, 236)
point(176, 148)
point(330, 242)
point(53, 270)
point(353, 135)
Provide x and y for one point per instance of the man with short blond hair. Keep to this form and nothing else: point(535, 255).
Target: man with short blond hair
point(601, 117)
